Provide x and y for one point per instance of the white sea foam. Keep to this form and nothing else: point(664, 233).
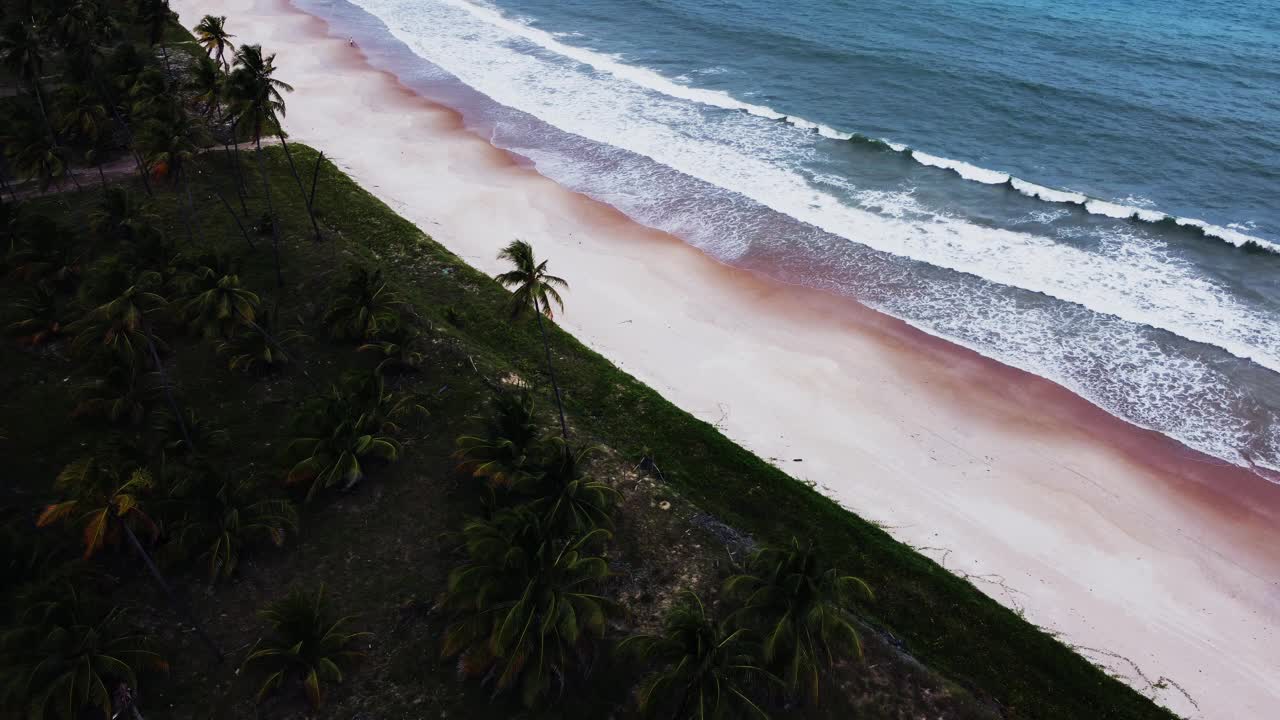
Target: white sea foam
point(643, 112)
point(603, 100)
point(963, 169)
point(659, 83)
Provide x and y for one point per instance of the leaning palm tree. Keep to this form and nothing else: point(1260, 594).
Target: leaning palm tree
point(84, 119)
point(535, 290)
point(118, 328)
point(36, 156)
point(170, 141)
point(212, 35)
point(526, 604)
point(704, 671)
point(22, 51)
point(306, 644)
point(257, 103)
point(64, 659)
point(801, 608)
point(106, 498)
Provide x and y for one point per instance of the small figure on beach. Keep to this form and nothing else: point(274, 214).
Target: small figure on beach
point(351, 41)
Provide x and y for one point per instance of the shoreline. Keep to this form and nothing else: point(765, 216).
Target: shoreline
point(1031, 491)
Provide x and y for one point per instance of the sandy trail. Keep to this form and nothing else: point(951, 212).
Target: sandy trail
point(1154, 560)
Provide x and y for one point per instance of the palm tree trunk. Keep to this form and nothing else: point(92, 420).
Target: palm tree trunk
point(191, 206)
point(128, 133)
point(173, 600)
point(235, 217)
point(315, 177)
point(35, 83)
point(182, 208)
point(555, 387)
point(294, 169)
point(266, 187)
point(236, 169)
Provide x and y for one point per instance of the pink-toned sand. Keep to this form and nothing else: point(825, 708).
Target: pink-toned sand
point(1156, 562)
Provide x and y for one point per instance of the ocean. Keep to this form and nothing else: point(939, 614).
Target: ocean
point(1086, 190)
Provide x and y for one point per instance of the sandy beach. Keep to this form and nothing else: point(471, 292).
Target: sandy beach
point(1157, 562)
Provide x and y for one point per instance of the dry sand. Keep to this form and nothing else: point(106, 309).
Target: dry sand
point(1155, 561)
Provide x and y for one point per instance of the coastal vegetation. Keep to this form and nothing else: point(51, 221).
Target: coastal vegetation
point(311, 476)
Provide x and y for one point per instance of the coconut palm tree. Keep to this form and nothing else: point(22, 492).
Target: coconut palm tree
point(36, 155)
point(396, 357)
point(367, 308)
point(306, 644)
point(170, 141)
point(22, 51)
point(704, 671)
point(801, 608)
point(571, 501)
point(206, 85)
point(526, 610)
point(535, 290)
point(84, 114)
point(106, 498)
point(220, 307)
point(121, 216)
point(65, 658)
point(211, 33)
point(174, 432)
point(338, 434)
point(253, 349)
point(118, 327)
point(40, 318)
point(507, 452)
point(119, 396)
point(221, 519)
point(257, 103)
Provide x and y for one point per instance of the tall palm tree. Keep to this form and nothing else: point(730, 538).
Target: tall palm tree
point(525, 603)
point(119, 326)
point(801, 607)
point(705, 671)
point(106, 499)
point(21, 51)
point(170, 141)
point(122, 217)
point(36, 155)
point(535, 290)
point(257, 104)
point(211, 33)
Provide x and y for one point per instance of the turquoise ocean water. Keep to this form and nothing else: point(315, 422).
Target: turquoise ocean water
point(1086, 190)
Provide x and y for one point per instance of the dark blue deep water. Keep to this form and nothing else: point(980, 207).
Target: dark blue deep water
point(1086, 190)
